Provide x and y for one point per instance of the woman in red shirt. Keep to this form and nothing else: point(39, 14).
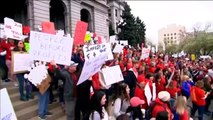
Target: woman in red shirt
point(199, 99)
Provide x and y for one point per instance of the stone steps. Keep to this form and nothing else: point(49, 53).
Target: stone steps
point(28, 110)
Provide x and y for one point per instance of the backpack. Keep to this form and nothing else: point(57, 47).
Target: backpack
point(148, 113)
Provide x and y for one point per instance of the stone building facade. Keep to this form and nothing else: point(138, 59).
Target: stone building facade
point(64, 13)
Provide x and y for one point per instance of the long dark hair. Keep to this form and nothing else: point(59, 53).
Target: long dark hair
point(16, 46)
point(121, 93)
point(95, 104)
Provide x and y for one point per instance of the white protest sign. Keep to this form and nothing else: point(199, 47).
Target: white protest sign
point(13, 29)
point(154, 91)
point(60, 32)
point(93, 51)
point(166, 58)
point(91, 67)
point(112, 39)
point(122, 42)
point(145, 53)
point(20, 62)
point(2, 31)
point(118, 48)
point(7, 111)
point(47, 47)
point(112, 74)
point(148, 93)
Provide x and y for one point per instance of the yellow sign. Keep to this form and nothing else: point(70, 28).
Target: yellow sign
point(193, 56)
point(87, 37)
point(27, 46)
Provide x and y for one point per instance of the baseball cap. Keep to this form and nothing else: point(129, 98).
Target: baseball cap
point(135, 101)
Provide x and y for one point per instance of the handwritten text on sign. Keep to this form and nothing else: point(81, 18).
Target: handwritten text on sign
point(91, 67)
point(13, 29)
point(47, 47)
point(93, 51)
point(145, 53)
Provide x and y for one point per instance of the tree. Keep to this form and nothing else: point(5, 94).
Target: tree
point(132, 29)
point(198, 42)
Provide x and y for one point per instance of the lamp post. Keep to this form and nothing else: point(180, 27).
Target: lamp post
point(120, 26)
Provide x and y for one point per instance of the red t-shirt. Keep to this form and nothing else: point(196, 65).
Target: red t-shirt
point(200, 94)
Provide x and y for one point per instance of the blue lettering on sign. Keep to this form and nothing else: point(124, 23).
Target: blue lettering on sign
point(7, 117)
point(102, 50)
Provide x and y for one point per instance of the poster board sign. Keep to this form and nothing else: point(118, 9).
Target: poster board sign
point(166, 58)
point(2, 31)
point(145, 53)
point(7, 111)
point(12, 29)
point(20, 62)
point(48, 27)
point(80, 32)
point(148, 93)
point(93, 51)
point(112, 39)
point(193, 56)
point(118, 48)
point(112, 75)
point(154, 91)
point(91, 66)
point(47, 47)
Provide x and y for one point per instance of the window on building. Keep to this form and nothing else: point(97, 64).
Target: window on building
point(116, 12)
point(164, 34)
point(167, 34)
point(168, 41)
point(175, 41)
point(168, 38)
point(175, 37)
point(174, 33)
point(109, 12)
point(171, 37)
point(171, 34)
point(171, 42)
point(164, 38)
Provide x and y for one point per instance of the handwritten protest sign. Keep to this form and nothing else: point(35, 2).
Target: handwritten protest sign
point(93, 51)
point(13, 29)
point(80, 31)
point(47, 47)
point(154, 91)
point(20, 62)
point(7, 111)
point(87, 37)
point(91, 66)
point(2, 32)
point(145, 53)
point(112, 75)
point(193, 56)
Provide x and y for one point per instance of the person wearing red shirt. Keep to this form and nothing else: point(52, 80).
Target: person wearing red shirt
point(159, 85)
point(161, 105)
point(198, 99)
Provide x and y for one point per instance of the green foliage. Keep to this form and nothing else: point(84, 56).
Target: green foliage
point(133, 30)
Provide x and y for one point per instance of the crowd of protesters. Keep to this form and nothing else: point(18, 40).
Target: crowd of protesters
point(183, 86)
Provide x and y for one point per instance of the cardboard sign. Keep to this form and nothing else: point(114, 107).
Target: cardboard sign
point(2, 31)
point(80, 31)
point(44, 85)
point(148, 93)
point(48, 27)
point(145, 53)
point(7, 111)
point(112, 75)
point(20, 62)
point(93, 51)
point(91, 66)
point(47, 47)
point(13, 29)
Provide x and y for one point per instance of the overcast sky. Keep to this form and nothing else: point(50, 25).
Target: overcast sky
point(159, 14)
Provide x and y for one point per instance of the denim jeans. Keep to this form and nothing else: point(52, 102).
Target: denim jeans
point(43, 101)
point(200, 110)
point(21, 80)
